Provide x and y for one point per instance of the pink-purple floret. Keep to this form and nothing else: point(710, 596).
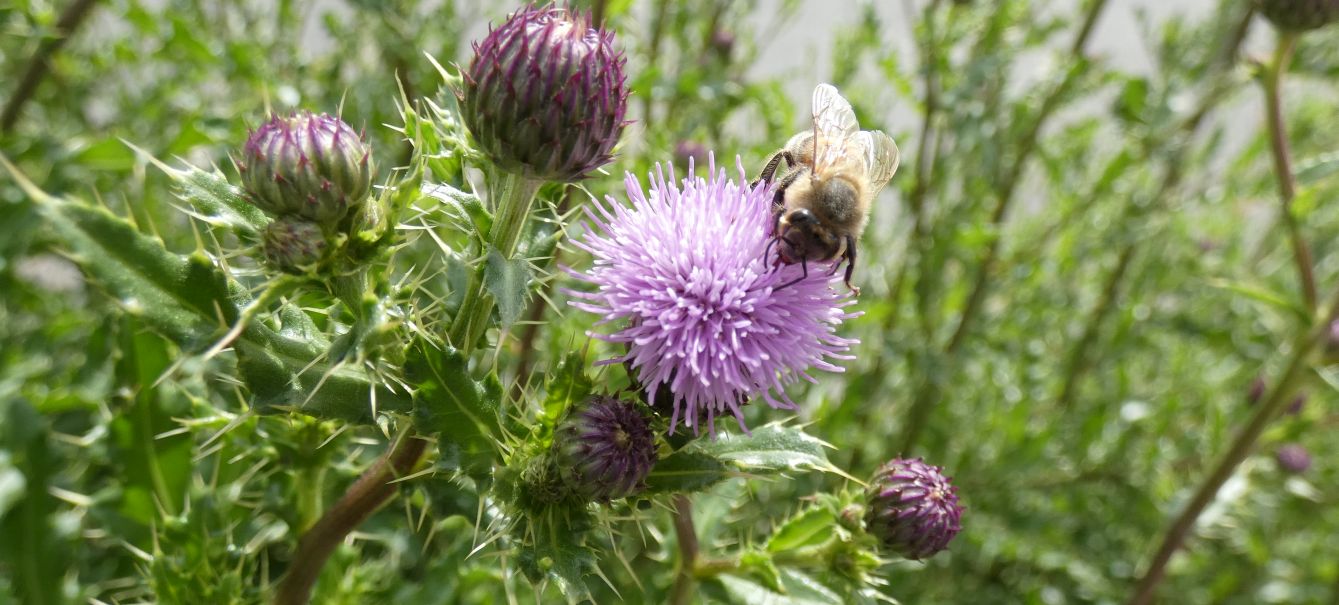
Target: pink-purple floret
point(681, 273)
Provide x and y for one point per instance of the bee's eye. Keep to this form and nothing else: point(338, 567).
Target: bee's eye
point(802, 216)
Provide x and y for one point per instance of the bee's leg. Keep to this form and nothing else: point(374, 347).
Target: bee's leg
point(804, 266)
point(769, 170)
point(850, 264)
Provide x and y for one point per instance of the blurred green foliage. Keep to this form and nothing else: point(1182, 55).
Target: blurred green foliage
point(1118, 229)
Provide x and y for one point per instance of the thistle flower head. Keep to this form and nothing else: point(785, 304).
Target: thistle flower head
point(545, 94)
point(682, 274)
point(605, 449)
point(912, 508)
point(1300, 15)
point(292, 245)
point(314, 167)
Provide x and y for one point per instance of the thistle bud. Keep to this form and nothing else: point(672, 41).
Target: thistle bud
point(912, 509)
point(604, 449)
point(1300, 15)
point(314, 167)
point(1293, 458)
point(545, 95)
point(293, 245)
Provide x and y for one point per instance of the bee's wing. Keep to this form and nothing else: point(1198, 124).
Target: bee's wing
point(883, 158)
point(834, 126)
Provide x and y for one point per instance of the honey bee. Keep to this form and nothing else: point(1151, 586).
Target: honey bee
point(832, 174)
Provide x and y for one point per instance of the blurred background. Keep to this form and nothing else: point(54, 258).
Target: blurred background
point(1073, 290)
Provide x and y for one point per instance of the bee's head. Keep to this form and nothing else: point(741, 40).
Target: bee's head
point(804, 237)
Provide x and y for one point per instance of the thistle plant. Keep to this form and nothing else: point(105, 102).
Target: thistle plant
point(375, 306)
point(496, 323)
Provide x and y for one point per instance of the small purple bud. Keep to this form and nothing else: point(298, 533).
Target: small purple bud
point(1293, 458)
point(293, 245)
point(545, 94)
point(912, 509)
point(1300, 15)
point(314, 167)
point(1298, 402)
point(1257, 390)
point(604, 449)
point(723, 42)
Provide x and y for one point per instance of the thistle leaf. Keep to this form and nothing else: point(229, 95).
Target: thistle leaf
point(451, 403)
point(769, 450)
point(508, 281)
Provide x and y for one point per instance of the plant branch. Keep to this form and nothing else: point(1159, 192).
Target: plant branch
point(372, 490)
point(1240, 448)
point(682, 591)
point(929, 394)
point(69, 21)
point(1283, 171)
point(1009, 185)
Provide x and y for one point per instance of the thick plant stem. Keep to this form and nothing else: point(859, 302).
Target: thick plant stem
point(69, 21)
point(512, 197)
point(1241, 446)
point(682, 591)
point(1283, 170)
point(373, 489)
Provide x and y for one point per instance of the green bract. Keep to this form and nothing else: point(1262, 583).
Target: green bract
point(293, 245)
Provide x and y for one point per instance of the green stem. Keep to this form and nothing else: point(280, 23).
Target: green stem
point(512, 197)
point(1240, 448)
point(682, 591)
point(1283, 171)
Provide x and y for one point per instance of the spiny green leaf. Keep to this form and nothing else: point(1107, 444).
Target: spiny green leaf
point(451, 403)
point(769, 450)
point(686, 472)
point(215, 201)
point(29, 548)
point(556, 552)
point(811, 527)
point(157, 470)
point(189, 300)
point(465, 211)
point(772, 448)
point(508, 281)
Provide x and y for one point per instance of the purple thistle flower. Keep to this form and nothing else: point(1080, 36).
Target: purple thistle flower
point(682, 272)
point(912, 508)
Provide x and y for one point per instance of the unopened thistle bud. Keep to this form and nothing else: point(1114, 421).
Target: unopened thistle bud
point(604, 449)
point(305, 165)
point(1293, 458)
point(545, 95)
point(293, 245)
point(912, 509)
point(1300, 15)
